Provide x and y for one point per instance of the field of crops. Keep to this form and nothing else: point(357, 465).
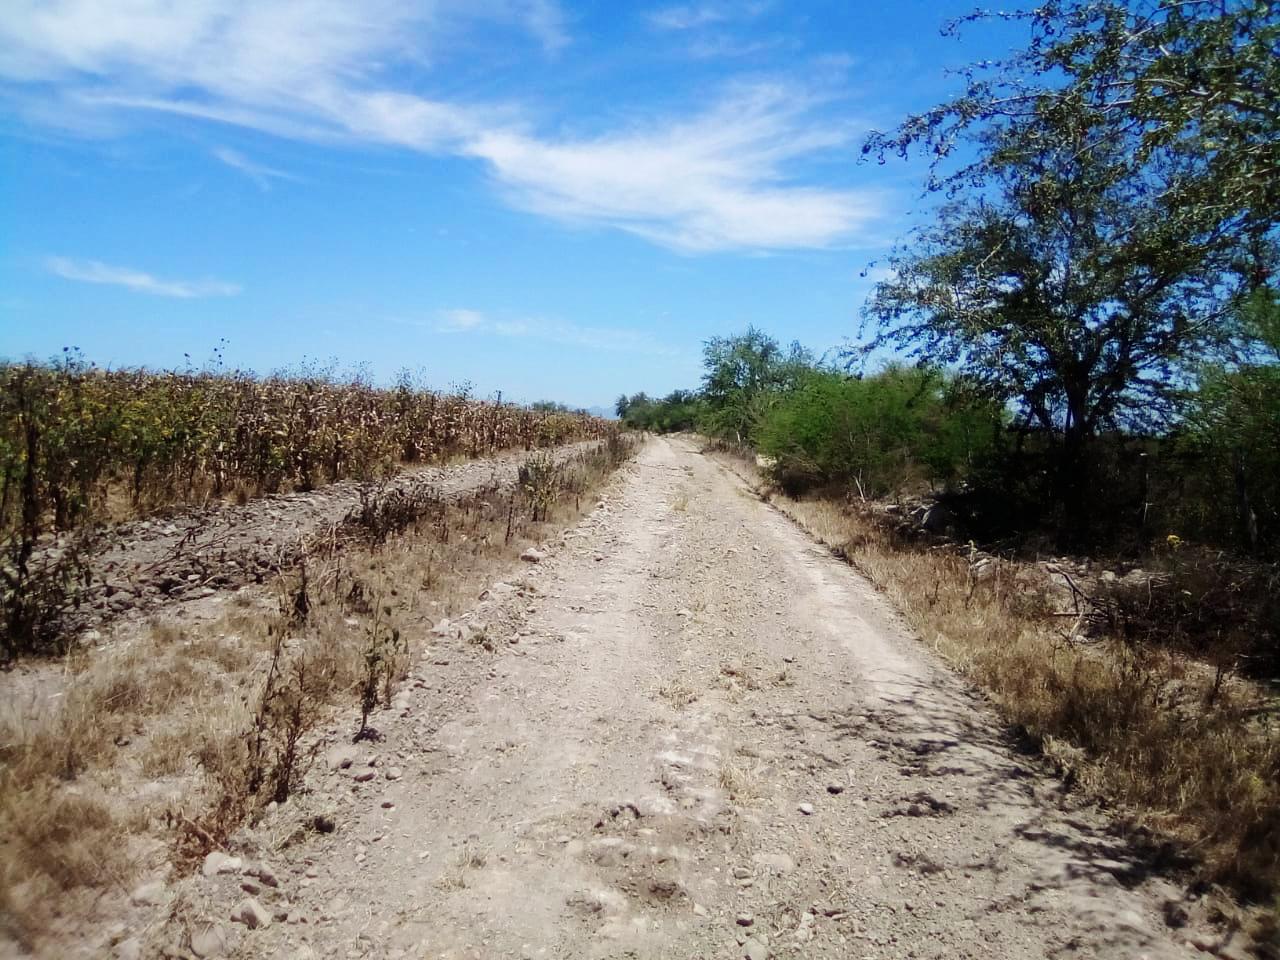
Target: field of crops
point(78, 443)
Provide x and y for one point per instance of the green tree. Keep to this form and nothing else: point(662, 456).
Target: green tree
point(744, 375)
point(1232, 428)
point(1084, 262)
point(637, 410)
point(1197, 80)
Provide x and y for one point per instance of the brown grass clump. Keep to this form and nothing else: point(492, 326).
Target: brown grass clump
point(72, 836)
point(679, 694)
point(1152, 728)
point(52, 841)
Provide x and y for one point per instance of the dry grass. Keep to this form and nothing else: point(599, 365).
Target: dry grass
point(456, 873)
point(54, 841)
point(112, 717)
point(169, 752)
point(737, 679)
point(678, 693)
point(737, 778)
point(187, 702)
point(1137, 724)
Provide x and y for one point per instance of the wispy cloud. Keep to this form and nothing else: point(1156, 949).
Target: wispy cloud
point(714, 182)
point(722, 47)
point(727, 177)
point(691, 16)
point(459, 321)
point(260, 174)
point(687, 17)
point(94, 271)
point(545, 20)
point(464, 320)
point(313, 68)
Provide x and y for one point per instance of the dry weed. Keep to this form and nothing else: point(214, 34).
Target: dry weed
point(678, 693)
point(740, 673)
point(54, 841)
point(737, 779)
point(455, 875)
point(168, 753)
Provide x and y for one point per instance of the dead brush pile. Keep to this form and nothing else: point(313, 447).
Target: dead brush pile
point(1172, 730)
point(156, 746)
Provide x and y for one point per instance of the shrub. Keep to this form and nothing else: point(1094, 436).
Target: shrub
point(897, 429)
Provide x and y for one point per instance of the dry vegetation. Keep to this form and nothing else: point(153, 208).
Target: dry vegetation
point(1192, 752)
point(113, 443)
point(81, 447)
point(159, 743)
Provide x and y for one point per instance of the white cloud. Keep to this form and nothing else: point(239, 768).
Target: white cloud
point(462, 320)
point(687, 17)
point(277, 65)
point(725, 178)
point(94, 271)
point(692, 16)
point(259, 173)
point(717, 48)
point(545, 21)
point(459, 321)
point(714, 182)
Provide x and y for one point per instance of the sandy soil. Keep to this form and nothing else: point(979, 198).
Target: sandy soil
point(697, 734)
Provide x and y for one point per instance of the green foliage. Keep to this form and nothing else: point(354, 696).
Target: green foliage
point(1191, 85)
point(745, 374)
point(880, 433)
point(1119, 206)
point(1228, 447)
point(679, 410)
point(1208, 471)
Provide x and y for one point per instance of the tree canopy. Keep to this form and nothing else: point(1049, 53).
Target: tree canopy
point(1114, 205)
point(1196, 81)
point(744, 375)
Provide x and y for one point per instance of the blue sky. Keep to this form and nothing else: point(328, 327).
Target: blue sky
point(553, 199)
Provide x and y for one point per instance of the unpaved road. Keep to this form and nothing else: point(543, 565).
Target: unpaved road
point(698, 735)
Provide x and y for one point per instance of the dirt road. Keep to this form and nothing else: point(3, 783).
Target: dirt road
point(697, 735)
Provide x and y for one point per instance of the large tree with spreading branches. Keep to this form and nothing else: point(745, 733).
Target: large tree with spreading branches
point(1110, 194)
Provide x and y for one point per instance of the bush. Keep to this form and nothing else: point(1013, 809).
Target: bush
point(898, 429)
point(680, 410)
point(1224, 485)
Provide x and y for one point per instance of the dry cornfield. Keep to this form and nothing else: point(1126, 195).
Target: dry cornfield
point(77, 441)
point(82, 448)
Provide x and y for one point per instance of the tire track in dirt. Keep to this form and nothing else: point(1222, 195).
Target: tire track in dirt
point(699, 735)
